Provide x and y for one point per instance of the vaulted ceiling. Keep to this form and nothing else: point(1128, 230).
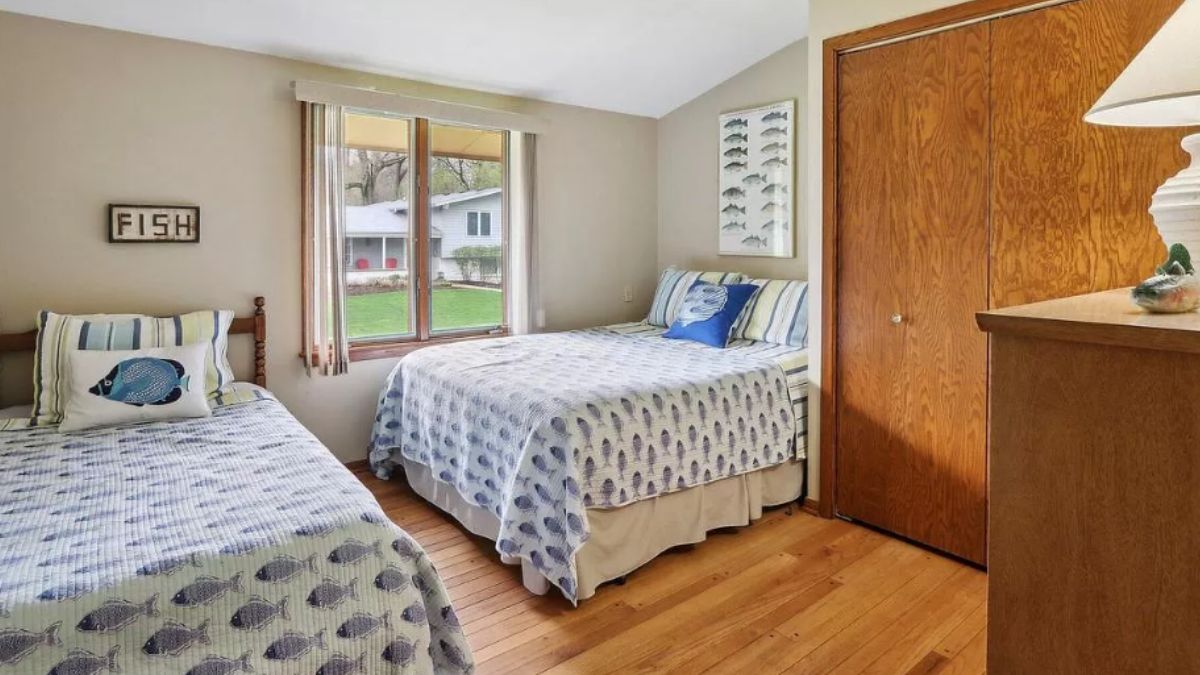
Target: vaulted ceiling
point(644, 57)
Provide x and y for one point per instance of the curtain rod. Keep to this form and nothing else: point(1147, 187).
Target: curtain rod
point(400, 104)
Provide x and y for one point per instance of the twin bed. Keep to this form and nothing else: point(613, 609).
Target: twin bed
point(585, 454)
point(231, 543)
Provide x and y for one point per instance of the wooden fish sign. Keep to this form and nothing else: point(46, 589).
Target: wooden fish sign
point(142, 223)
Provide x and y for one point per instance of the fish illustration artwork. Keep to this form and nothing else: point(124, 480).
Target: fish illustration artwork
point(755, 241)
point(733, 193)
point(114, 615)
point(774, 147)
point(733, 209)
point(391, 579)
point(770, 225)
point(17, 643)
point(400, 652)
point(220, 665)
point(340, 664)
point(736, 138)
point(83, 662)
point(329, 593)
point(174, 638)
point(702, 303)
point(258, 613)
point(736, 152)
point(206, 589)
point(353, 551)
point(773, 132)
point(292, 646)
point(143, 380)
point(284, 568)
point(361, 625)
point(774, 189)
point(775, 162)
point(737, 123)
point(754, 179)
point(774, 116)
point(737, 166)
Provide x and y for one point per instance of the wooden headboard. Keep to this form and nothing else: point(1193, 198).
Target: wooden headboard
point(255, 325)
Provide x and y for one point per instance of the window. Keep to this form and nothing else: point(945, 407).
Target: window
point(416, 268)
point(479, 224)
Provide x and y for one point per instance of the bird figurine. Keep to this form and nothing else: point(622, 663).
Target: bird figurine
point(1174, 288)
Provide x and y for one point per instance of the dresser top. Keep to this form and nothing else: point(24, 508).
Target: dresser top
point(1108, 318)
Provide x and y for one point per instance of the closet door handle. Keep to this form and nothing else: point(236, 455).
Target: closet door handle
point(897, 319)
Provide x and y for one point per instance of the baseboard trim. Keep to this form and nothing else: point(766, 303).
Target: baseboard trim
point(358, 465)
point(811, 506)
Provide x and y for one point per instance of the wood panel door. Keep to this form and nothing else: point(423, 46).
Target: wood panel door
point(913, 120)
point(1070, 199)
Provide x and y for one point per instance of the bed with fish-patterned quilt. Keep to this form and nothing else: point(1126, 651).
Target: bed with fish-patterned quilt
point(233, 543)
point(544, 439)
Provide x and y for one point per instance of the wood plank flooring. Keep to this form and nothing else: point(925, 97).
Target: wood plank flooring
point(792, 593)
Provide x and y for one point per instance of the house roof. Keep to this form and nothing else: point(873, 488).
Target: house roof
point(391, 218)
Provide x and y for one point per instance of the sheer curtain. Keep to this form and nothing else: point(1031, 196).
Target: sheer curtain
point(326, 347)
point(523, 301)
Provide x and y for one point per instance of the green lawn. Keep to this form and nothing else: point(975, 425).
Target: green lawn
point(453, 308)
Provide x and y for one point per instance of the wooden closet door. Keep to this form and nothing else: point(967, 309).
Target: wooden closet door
point(1070, 199)
point(913, 217)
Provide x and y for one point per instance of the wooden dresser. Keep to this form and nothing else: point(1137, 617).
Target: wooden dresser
point(1094, 468)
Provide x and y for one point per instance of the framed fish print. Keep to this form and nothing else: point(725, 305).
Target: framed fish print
point(757, 181)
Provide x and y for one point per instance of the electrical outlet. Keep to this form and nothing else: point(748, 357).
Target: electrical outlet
point(628, 293)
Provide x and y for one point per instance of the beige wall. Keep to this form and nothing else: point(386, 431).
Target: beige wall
point(92, 116)
point(688, 171)
point(829, 18)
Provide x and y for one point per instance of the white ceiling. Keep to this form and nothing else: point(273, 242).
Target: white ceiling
point(645, 57)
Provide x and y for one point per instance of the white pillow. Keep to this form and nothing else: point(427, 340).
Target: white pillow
point(142, 385)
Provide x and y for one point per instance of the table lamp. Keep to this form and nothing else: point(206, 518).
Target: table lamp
point(1161, 88)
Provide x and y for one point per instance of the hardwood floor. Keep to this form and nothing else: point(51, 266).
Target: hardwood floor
point(792, 593)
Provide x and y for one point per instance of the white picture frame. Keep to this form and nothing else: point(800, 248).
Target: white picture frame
point(757, 158)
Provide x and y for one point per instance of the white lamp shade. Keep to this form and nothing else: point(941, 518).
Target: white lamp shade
point(1161, 87)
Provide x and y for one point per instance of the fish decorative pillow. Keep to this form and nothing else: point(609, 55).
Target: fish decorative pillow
point(144, 385)
point(709, 311)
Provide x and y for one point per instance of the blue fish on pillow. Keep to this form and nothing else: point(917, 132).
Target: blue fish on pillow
point(143, 381)
point(703, 303)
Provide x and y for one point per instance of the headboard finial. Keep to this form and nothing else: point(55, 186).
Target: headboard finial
point(260, 342)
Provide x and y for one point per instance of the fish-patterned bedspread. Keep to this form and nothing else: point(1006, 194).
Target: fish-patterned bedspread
point(539, 428)
point(235, 543)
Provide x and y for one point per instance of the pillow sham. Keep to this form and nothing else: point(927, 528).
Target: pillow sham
point(709, 311)
point(673, 284)
point(129, 386)
point(58, 334)
point(778, 314)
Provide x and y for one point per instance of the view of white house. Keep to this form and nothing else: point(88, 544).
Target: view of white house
point(377, 237)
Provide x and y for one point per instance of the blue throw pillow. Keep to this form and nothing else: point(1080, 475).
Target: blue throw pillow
point(709, 311)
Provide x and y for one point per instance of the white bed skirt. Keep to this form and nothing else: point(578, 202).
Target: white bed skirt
point(623, 539)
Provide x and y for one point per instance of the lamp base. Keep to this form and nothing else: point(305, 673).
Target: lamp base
point(1176, 205)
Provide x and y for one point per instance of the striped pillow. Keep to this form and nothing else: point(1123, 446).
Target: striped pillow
point(778, 314)
point(674, 284)
point(58, 334)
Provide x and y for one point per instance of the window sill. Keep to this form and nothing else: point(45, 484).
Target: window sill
point(366, 351)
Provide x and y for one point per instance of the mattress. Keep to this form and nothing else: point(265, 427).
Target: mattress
point(539, 429)
point(218, 545)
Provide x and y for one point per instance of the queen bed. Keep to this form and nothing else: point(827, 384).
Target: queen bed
point(229, 543)
point(559, 447)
